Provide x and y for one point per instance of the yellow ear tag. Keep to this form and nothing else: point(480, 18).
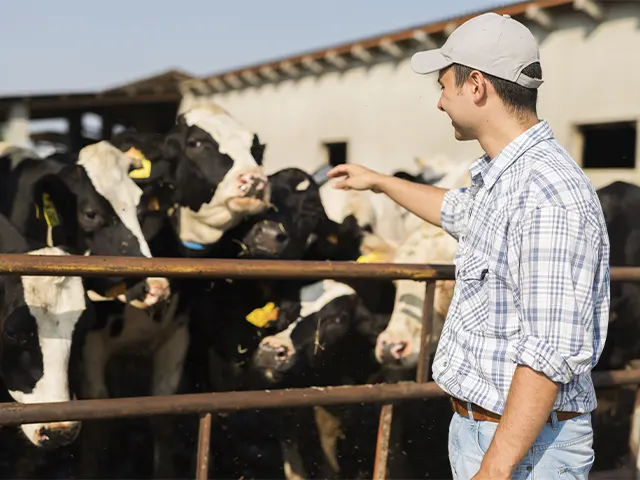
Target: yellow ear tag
point(145, 170)
point(370, 258)
point(260, 317)
point(50, 213)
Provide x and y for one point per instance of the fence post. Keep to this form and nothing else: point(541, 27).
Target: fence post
point(422, 376)
point(204, 441)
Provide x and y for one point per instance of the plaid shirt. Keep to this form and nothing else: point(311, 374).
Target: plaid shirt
point(532, 276)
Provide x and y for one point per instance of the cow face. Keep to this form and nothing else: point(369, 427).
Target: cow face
point(291, 224)
point(41, 318)
point(91, 208)
point(329, 312)
point(218, 180)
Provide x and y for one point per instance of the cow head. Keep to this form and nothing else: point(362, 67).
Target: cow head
point(328, 312)
point(42, 321)
point(218, 180)
point(91, 207)
point(293, 221)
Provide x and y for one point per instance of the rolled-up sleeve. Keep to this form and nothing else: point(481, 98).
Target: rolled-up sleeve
point(453, 214)
point(556, 262)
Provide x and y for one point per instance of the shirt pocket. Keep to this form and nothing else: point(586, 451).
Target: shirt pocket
point(473, 279)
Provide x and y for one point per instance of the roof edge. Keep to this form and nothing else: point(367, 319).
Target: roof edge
point(316, 60)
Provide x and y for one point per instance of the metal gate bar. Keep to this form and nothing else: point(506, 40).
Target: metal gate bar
point(104, 266)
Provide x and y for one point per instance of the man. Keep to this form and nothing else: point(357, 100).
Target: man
point(529, 315)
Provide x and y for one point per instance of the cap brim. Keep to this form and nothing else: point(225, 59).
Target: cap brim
point(429, 61)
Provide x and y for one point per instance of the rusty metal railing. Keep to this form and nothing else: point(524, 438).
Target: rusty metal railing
point(205, 404)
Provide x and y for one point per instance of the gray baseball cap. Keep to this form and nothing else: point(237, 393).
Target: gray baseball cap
point(492, 43)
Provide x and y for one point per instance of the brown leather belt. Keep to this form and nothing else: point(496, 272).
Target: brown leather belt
point(480, 414)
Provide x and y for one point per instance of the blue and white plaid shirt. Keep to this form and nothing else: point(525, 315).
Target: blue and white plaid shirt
point(532, 276)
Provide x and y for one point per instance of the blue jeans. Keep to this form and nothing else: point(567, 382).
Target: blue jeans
point(562, 450)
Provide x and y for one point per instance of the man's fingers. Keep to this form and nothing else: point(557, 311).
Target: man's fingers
point(342, 185)
point(338, 171)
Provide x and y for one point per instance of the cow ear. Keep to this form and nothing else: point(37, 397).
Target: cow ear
point(55, 204)
point(257, 150)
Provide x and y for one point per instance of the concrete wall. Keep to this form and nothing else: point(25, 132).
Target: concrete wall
point(388, 114)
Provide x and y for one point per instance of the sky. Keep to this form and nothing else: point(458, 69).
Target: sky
point(56, 46)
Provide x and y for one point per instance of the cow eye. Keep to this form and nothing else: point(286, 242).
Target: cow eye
point(193, 143)
point(90, 215)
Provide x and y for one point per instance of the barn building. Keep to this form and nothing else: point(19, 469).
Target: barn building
point(360, 102)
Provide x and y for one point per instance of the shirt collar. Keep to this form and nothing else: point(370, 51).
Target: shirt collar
point(490, 170)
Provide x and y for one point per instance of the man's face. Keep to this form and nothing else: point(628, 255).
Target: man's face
point(458, 104)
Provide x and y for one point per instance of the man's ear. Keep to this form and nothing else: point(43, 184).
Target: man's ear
point(478, 84)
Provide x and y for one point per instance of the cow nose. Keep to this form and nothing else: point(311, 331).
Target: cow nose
point(253, 185)
point(274, 356)
point(391, 352)
point(268, 237)
point(56, 435)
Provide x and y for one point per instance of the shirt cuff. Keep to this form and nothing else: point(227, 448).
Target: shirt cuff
point(542, 357)
point(449, 214)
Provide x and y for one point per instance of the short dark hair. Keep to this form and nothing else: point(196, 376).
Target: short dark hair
point(518, 99)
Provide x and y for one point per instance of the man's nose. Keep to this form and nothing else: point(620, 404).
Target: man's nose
point(440, 105)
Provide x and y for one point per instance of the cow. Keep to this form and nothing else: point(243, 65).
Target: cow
point(43, 321)
point(399, 345)
point(328, 340)
point(218, 176)
point(620, 202)
point(88, 208)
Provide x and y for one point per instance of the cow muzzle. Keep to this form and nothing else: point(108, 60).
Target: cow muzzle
point(395, 351)
point(274, 358)
point(52, 435)
point(267, 238)
point(252, 192)
point(148, 293)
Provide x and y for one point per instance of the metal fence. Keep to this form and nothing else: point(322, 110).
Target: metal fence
point(205, 404)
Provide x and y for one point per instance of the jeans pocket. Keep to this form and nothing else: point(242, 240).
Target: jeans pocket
point(483, 433)
point(577, 472)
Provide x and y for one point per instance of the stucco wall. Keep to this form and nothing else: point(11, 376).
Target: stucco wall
point(388, 114)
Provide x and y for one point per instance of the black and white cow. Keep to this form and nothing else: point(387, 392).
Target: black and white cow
point(87, 208)
point(328, 341)
point(43, 320)
point(218, 174)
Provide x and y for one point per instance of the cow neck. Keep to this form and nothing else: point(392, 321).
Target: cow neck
point(108, 169)
point(56, 303)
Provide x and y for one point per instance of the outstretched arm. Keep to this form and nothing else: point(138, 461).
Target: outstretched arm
point(424, 201)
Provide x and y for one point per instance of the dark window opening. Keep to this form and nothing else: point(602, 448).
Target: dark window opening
point(336, 153)
point(609, 145)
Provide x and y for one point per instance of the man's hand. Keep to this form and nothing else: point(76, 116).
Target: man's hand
point(357, 178)
point(529, 403)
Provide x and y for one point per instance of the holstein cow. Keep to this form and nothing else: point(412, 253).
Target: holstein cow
point(620, 203)
point(328, 341)
point(399, 344)
point(43, 321)
point(88, 208)
point(218, 178)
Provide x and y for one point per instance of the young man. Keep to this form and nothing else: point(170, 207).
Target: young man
point(530, 311)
